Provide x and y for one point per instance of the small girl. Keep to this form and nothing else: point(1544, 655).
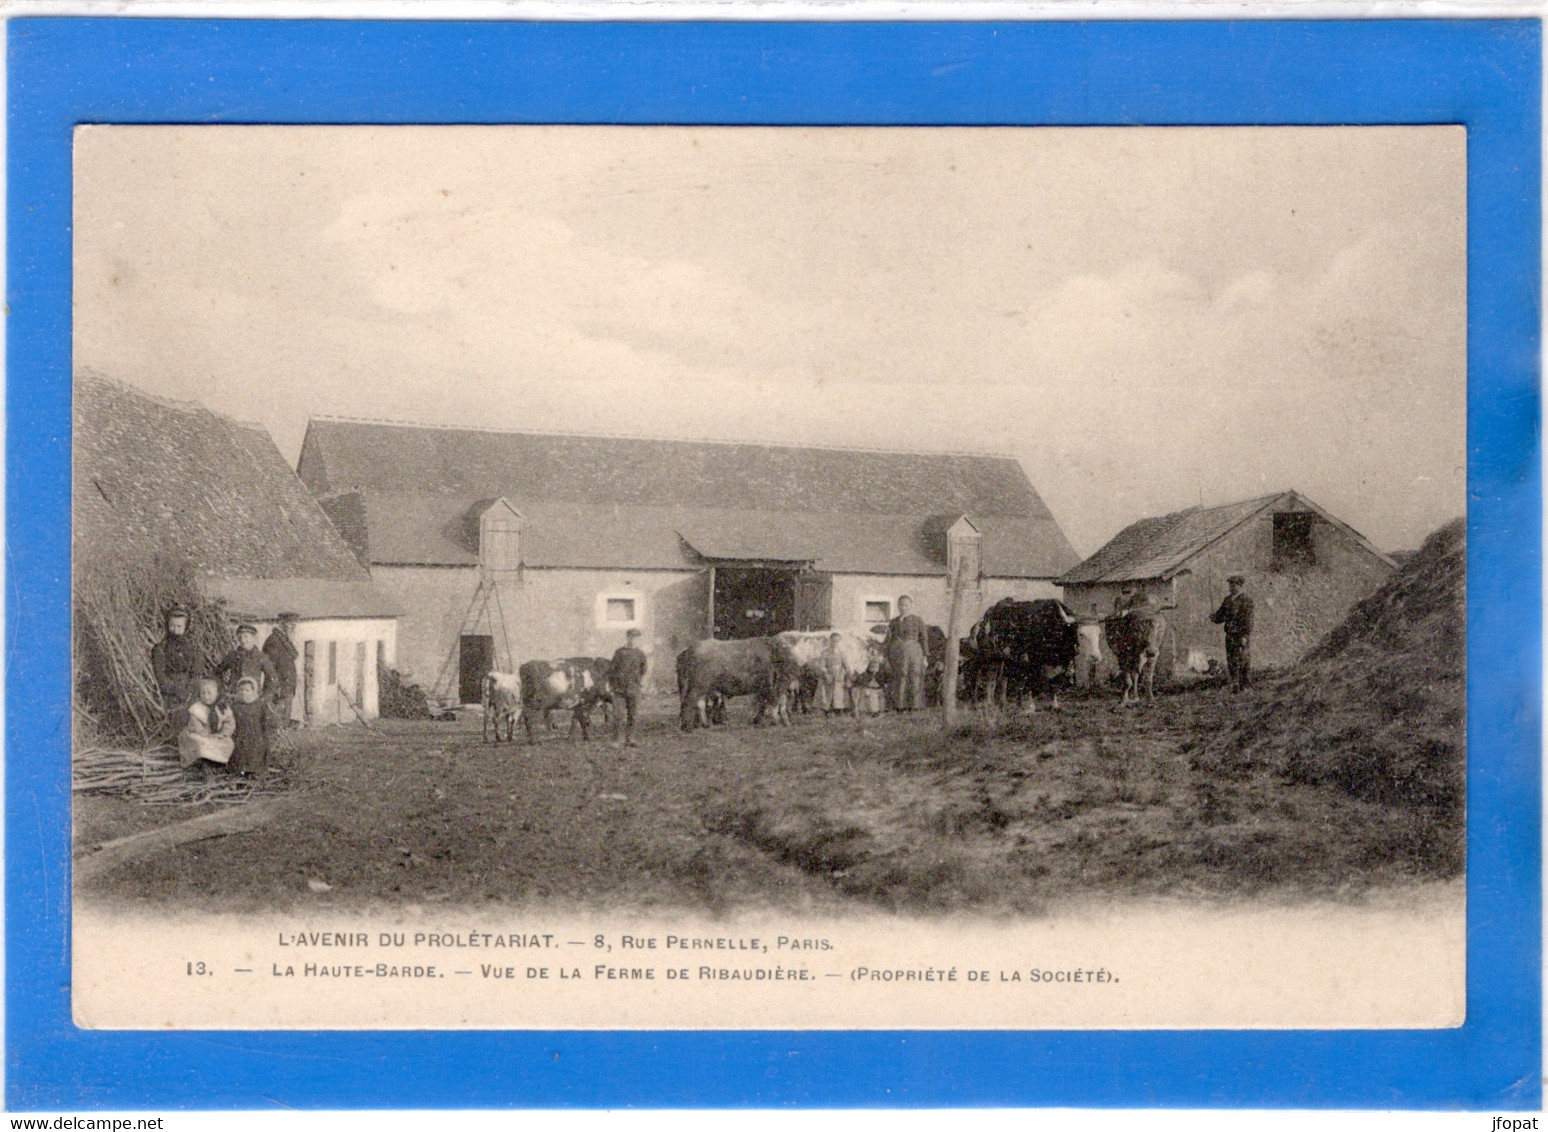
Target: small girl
point(208, 733)
point(253, 724)
point(835, 677)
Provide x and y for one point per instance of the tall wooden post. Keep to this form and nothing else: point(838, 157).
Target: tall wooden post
point(953, 648)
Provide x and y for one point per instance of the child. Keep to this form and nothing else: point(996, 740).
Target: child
point(835, 677)
point(207, 734)
point(253, 723)
point(867, 690)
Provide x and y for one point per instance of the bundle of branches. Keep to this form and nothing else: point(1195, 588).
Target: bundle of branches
point(398, 699)
point(119, 614)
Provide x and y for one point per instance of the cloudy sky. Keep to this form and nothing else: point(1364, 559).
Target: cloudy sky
point(1146, 318)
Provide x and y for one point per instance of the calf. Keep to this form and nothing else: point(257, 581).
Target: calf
point(576, 685)
point(501, 694)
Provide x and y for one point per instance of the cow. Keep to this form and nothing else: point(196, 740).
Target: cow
point(1016, 647)
point(1135, 636)
point(758, 666)
point(576, 684)
point(859, 650)
point(501, 694)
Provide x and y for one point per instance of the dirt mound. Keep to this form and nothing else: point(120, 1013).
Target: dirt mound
point(1378, 708)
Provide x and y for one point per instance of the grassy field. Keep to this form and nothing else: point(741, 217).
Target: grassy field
point(1071, 802)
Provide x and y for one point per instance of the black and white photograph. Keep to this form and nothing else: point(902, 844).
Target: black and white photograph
point(690, 577)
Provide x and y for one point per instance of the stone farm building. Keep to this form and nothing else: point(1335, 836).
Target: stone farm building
point(1304, 569)
point(159, 481)
point(505, 546)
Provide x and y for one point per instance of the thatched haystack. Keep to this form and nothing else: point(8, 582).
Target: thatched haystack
point(168, 495)
point(1378, 708)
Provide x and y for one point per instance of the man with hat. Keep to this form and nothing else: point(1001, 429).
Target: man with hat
point(177, 665)
point(1235, 616)
point(624, 676)
point(247, 659)
point(281, 651)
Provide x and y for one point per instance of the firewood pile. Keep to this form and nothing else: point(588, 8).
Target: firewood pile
point(155, 777)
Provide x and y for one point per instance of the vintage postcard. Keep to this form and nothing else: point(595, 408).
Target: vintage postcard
point(642, 577)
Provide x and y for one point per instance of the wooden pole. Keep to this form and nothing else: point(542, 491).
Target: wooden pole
point(953, 647)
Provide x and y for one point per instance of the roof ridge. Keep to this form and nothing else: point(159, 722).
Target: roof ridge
point(331, 418)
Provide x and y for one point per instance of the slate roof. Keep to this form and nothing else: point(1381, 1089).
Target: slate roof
point(1158, 547)
point(154, 477)
point(442, 530)
point(410, 495)
point(339, 456)
point(264, 599)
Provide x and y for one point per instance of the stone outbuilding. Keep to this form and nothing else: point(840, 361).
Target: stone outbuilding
point(1304, 569)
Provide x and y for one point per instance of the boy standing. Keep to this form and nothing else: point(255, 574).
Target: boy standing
point(624, 677)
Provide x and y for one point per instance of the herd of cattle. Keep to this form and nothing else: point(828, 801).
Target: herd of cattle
point(1018, 649)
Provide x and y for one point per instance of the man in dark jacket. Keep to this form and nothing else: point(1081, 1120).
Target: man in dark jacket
point(177, 665)
point(281, 651)
point(247, 659)
point(624, 677)
point(1235, 616)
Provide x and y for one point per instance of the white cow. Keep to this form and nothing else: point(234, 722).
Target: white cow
point(859, 650)
point(502, 703)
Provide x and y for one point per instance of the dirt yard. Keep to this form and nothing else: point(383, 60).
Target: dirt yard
point(1081, 800)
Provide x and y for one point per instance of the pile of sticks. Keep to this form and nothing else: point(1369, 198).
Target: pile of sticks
point(155, 777)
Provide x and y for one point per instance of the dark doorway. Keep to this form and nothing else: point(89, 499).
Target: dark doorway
point(754, 601)
point(1294, 548)
point(475, 660)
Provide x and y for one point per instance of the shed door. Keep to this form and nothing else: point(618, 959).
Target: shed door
point(475, 660)
point(814, 600)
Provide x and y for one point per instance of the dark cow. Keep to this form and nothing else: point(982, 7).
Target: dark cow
point(575, 684)
point(1016, 647)
point(1135, 637)
point(758, 666)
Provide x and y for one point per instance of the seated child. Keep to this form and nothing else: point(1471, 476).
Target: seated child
point(869, 689)
point(209, 730)
point(254, 722)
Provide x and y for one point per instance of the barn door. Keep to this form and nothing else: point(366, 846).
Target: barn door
point(814, 600)
point(475, 660)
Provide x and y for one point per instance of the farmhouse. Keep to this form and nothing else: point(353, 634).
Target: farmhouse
point(163, 484)
point(506, 546)
point(1304, 570)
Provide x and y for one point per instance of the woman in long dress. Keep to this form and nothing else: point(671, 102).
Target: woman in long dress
point(209, 732)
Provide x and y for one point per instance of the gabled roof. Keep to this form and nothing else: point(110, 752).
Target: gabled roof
point(339, 456)
point(1159, 547)
point(442, 530)
point(406, 495)
point(158, 478)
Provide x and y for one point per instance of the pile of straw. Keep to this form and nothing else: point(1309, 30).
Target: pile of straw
point(155, 777)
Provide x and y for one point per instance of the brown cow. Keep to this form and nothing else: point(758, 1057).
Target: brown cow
point(576, 685)
point(759, 666)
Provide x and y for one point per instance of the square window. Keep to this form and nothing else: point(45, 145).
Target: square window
point(620, 609)
point(878, 612)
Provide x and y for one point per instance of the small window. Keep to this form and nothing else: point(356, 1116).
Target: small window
point(878, 612)
point(620, 609)
point(1293, 546)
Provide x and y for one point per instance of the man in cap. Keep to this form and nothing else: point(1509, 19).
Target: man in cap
point(624, 676)
point(247, 659)
point(1235, 617)
point(177, 665)
point(281, 651)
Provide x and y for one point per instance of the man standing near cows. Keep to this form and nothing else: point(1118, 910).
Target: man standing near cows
point(1235, 617)
point(624, 677)
point(908, 643)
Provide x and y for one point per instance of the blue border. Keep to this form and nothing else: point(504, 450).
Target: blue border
point(1484, 74)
